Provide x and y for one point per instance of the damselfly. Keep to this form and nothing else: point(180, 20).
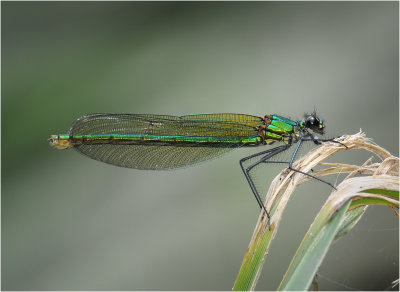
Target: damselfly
point(145, 141)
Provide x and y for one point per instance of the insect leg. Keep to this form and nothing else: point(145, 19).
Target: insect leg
point(299, 171)
point(268, 154)
point(329, 140)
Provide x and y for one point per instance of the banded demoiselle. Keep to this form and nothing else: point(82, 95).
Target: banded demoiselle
point(145, 141)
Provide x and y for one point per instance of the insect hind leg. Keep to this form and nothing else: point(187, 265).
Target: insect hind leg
point(267, 155)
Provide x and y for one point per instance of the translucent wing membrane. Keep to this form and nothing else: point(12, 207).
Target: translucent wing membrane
point(150, 157)
point(236, 126)
point(216, 125)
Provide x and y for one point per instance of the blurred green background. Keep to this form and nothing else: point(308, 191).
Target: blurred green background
point(72, 223)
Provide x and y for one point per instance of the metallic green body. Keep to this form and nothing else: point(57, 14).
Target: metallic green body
point(275, 131)
point(171, 139)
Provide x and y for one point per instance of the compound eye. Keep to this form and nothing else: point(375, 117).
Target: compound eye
point(310, 121)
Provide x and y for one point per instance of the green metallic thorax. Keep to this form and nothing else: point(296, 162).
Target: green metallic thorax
point(281, 129)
